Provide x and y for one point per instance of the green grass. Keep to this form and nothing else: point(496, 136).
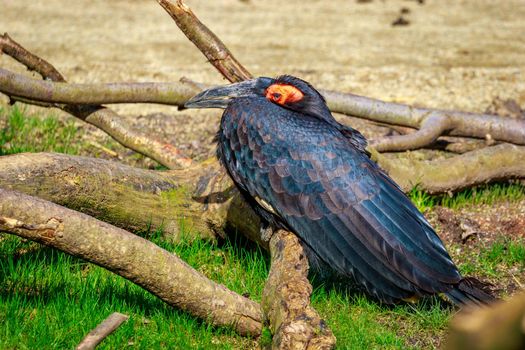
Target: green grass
point(503, 255)
point(483, 194)
point(20, 132)
point(50, 300)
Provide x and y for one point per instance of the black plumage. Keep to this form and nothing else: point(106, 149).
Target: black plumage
point(303, 171)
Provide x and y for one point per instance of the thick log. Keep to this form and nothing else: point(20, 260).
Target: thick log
point(201, 198)
point(286, 298)
point(132, 257)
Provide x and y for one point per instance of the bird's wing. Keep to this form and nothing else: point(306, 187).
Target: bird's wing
point(345, 209)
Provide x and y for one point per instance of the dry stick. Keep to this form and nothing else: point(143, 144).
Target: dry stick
point(99, 116)
point(105, 328)
point(286, 298)
point(206, 41)
point(132, 257)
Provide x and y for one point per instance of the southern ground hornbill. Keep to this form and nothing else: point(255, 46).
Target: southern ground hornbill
point(303, 171)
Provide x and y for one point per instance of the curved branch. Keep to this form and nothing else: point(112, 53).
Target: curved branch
point(134, 258)
point(206, 41)
point(432, 127)
point(458, 123)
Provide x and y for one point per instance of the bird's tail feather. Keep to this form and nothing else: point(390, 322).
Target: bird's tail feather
point(471, 291)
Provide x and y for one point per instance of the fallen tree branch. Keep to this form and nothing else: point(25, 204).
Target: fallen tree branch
point(134, 258)
point(99, 116)
point(500, 326)
point(432, 123)
point(286, 298)
point(202, 198)
point(105, 328)
point(500, 162)
point(431, 128)
point(206, 41)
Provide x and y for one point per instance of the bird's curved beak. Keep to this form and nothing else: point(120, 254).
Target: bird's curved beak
point(219, 97)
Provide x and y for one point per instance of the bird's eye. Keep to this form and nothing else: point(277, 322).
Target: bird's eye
point(283, 94)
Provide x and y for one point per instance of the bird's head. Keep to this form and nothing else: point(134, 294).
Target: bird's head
point(285, 91)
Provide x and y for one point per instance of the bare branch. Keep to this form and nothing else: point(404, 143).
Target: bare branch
point(101, 117)
point(431, 128)
point(31, 61)
point(176, 93)
point(500, 162)
point(457, 123)
point(134, 258)
point(97, 335)
point(206, 41)
point(286, 298)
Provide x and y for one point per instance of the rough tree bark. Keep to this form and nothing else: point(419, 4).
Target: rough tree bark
point(137, 259)
point(286, 298)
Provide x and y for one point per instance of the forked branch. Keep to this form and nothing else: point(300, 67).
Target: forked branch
point(95, 114)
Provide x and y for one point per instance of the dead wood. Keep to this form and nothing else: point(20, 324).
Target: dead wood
point(500, 162)
point(206, 41)
point(431, 123)
point(286, 298)
point(102, 331)
point(450, 122)
point(132, 257)
point(95, 114)
point(500, 326)
point(201, 198)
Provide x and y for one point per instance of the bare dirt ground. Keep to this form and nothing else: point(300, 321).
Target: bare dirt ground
point(459, 54)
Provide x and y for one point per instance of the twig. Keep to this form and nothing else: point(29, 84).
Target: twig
point(132, 257)
point(105, 328)
point(286, 298)
point(99, 116)
point(206, 41)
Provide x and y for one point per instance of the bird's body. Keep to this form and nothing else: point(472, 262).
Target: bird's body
point(303, 171)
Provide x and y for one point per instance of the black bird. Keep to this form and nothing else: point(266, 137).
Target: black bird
point(303, 171)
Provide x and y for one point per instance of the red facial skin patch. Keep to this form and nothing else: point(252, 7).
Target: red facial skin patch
point(283, 94)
